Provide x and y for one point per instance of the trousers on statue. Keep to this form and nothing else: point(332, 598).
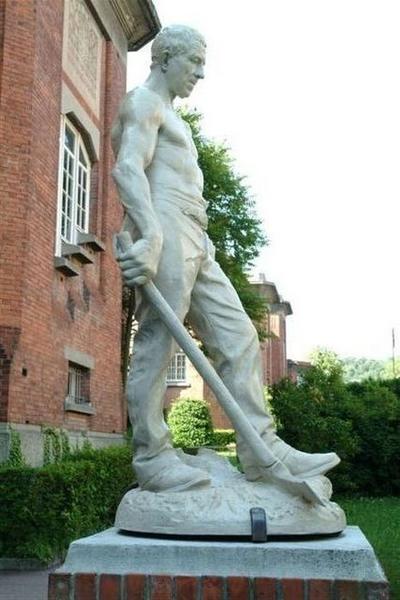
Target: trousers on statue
point(196, 288)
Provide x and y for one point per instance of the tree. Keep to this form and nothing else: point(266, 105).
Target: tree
point(360, 369)
point(234, 228)
point(327, 362)
point(390, 370)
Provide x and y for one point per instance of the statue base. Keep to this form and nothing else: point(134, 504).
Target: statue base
point(223, 507)
point(112, 565)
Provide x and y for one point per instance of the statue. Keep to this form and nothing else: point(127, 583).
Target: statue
point(161, 187)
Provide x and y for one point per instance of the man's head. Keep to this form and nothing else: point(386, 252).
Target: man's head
point(179, 51)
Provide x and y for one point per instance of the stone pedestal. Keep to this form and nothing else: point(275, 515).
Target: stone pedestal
point(222, 508)
point(115, 566)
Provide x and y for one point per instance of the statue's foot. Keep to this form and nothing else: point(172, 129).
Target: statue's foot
point(300, 464)
point(303, 464)
point(176, 478)
point(310, 465)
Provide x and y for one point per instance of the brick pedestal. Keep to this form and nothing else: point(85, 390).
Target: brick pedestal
point(89, 586)
point(113, 566)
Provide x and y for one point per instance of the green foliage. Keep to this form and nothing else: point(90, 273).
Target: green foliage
point(360, 421)
point(359, 369)
point(309, 421)
point(390, 370)
point(190, 423)
point(56, 445)
point(223, 437)
point(374, 410)
point(43, 510)
point(16, 457)
point(234, 228)
point(86, 446)
point(327, 362)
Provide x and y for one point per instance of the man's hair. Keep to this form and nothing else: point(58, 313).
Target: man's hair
point(173, 40)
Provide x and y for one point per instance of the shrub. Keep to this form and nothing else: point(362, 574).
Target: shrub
point(56, 447)
point(223, 437)
point(374, 410)
point(190, 423)
point(360, 421)
point(308, 419)
point(43, 510)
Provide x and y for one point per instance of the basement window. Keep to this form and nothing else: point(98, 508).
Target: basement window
point(78, 384)
point(78, 398)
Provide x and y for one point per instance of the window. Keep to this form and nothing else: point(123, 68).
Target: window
point(74, 185)
point(177, 369)
point(78, 384)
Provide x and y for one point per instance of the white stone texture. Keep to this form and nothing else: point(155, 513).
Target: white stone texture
point(222, 508)
point(347, 556)
point(164, 251)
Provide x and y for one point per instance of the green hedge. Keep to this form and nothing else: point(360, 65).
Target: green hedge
point(223, 437)
point(43, 510)
point(361, 422)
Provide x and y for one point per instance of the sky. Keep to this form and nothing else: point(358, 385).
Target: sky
point(307, 96)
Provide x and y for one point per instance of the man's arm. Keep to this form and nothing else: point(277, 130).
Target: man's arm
point(141, 116)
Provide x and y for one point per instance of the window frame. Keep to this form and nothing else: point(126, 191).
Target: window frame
point(80, 174)
point(174, 367)
point(79, 383)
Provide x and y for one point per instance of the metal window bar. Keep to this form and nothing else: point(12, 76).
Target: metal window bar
point(76, 385)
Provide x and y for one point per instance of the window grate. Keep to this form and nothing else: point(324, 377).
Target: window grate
point(78, 384)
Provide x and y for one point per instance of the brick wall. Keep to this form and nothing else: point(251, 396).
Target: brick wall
point(273, 350)
point(52, 311)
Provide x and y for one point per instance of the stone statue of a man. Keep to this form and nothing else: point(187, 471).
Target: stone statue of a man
point(158, 178)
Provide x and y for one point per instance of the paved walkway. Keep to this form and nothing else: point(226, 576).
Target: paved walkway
point(23, 585)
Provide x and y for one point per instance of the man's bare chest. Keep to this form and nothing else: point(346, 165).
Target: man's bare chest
point(175, 132)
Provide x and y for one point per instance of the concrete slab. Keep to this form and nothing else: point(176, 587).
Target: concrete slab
point(17, 585)
point(348, 556)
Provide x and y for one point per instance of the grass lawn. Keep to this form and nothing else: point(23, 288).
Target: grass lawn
point(379, 520)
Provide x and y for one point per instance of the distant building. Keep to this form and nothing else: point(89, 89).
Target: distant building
point(273, 349)
point(184, 382)
point(62, 76)
point(296, 369)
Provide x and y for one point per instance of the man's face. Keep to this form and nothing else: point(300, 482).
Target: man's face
point(184, 70)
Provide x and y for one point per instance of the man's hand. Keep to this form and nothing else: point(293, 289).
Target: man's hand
point(139, 262)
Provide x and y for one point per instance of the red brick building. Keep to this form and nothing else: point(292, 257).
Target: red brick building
point(184, 382)
point(296, 369)
point(273, 349)
point(62, 76)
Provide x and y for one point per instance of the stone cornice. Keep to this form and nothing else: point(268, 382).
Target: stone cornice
point(138, 19)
